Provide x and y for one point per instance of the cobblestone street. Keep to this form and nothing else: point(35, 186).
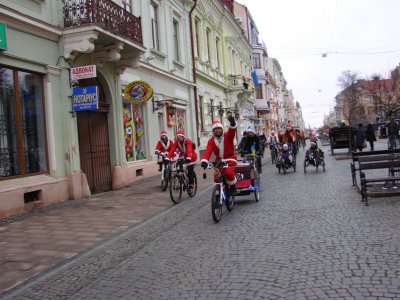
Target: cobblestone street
point(309, 237)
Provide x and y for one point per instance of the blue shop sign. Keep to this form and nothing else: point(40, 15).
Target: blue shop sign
point(85, 98)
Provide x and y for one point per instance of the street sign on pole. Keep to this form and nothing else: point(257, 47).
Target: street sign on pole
point(3, 36)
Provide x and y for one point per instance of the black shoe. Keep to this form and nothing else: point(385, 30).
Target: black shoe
point(232, 190)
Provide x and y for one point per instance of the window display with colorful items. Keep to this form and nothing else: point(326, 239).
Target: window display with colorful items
point(180, 119)
point(135, 137)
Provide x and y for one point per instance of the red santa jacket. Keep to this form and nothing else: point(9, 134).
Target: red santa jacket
point(185, 150)
point(164, 147)
point(223, 147)
point(287, 138)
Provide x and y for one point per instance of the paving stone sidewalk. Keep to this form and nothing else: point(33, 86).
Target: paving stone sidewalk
point(33, 243)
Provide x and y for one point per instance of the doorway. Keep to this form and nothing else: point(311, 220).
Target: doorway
point(94, 146)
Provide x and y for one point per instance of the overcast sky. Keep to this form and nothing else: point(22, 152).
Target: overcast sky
point(357, 35)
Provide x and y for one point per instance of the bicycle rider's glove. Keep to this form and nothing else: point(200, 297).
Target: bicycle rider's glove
point(204, 165)
point(157, 152)
point(188, 160)
point(166, 160)
point(232, 121)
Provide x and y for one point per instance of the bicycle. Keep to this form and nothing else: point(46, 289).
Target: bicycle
point(180, 182)
point(219, 195)
point(166, 171)
point(274, 153)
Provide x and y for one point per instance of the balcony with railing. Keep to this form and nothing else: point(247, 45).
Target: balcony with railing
point(263, 106)
point(105, 14)
point(103, 28)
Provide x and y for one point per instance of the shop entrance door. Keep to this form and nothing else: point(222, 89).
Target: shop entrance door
point(94, 148)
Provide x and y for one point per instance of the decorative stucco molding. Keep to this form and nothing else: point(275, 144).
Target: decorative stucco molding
point(128, 60)
point(104, 53)
point(79, 42)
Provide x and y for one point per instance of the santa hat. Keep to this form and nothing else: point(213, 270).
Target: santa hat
point(164, 133)
point(250, 129)
point(313, 143)
point(288, 126)
point(180, 133)
point(217, 124)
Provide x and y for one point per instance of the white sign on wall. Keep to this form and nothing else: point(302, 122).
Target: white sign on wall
point(83, 72)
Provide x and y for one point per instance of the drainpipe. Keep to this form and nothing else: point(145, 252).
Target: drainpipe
point(194, 73)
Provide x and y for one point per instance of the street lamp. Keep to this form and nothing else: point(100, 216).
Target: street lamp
point(160, 103)
point(221, 110)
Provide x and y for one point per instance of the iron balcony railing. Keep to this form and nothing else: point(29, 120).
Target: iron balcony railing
point(105, 14)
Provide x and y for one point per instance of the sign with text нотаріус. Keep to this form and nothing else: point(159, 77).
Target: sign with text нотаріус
point(85, 98)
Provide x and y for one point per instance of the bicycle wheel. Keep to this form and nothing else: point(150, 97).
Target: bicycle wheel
point(165, 179)
point(323, 164)
point(193, 193)
point(175, 189)
point(305, 166)
point(256, 183)
point(273, 156)
point(216, 206)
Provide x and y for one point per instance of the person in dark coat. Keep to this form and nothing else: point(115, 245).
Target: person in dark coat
point(370, 136)
point(360, 137)
point(393, 133)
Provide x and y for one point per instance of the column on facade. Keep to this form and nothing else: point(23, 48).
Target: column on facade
point(53, 76)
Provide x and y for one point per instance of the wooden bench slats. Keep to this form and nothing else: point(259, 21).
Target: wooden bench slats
point(374, 160)
point(368, 156)
point(378, 157)
point(382, 179)
point(378, 165)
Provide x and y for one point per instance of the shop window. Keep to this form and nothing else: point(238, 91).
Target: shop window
point(135, 136)
point(23, 149)
point(180, 120)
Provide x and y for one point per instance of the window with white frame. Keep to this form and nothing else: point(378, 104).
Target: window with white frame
point(256, 60)
point(155, 25)
point(128, 5)
point(175, 26)
point(218, 46)
point(197, 29)
point(208, 36)
point(259, 93)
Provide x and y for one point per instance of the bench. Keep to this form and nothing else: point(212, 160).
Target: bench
point(356, 155)
point(389, 162)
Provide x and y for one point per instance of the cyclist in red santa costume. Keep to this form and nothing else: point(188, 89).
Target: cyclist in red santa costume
point(221, 144)
point(162, 147)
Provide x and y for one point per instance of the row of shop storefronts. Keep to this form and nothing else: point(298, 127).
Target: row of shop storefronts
point(81, 108)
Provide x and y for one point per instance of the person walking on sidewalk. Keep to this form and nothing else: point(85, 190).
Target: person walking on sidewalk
point(184, 146)
point(360, 137)
point(221, 144)
point(393, 134)
point(162, 147)
point(370, 136)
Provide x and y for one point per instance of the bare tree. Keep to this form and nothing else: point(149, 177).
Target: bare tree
point(348, 100)
point(386, 104)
